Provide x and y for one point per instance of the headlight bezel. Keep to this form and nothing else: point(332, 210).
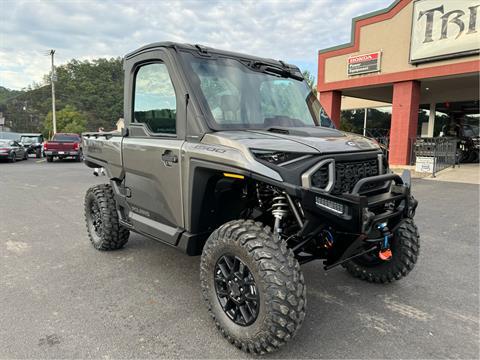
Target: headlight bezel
point(278, 157)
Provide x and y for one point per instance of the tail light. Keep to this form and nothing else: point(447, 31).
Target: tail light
point(75, 146)
point(45, 146)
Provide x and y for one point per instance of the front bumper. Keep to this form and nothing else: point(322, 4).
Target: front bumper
point(358, 213)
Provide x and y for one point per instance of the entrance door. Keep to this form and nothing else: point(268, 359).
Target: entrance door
point(151, 155)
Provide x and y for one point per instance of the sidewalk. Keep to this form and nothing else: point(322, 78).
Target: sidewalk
point(465, 173)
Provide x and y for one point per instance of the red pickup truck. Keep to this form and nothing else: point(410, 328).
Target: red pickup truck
point(64, 145)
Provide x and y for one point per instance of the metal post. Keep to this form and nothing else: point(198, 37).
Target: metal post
point(365, 122)
point(52, 79)
point(431, 120)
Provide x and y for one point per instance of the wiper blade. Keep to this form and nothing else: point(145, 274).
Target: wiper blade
point(283, 71)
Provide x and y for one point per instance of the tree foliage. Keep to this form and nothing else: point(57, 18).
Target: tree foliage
point(68, 120)
point(6, 94)
point(352, 120)
point(94, 88)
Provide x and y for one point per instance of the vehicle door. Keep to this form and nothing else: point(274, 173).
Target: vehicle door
point(152, 150)
point(19, 150)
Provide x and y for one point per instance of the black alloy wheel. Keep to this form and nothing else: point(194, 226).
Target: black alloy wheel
point(253, 286)
point(95, 219)
point(236, 290)
point(103, 224)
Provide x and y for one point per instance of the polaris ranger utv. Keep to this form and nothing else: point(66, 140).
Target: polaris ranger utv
point(231, 157)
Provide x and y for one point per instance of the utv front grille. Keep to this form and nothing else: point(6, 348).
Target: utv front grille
point(347, 174)
point(338, 177)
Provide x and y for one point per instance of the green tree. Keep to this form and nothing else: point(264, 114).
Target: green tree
point(69, 120)
point(352, 120)
point(94, 88)
point(7, 94)
point(310, 79)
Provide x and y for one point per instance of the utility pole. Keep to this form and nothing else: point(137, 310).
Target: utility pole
point(52, 79)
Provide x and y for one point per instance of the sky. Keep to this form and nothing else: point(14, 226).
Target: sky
point(292, 31)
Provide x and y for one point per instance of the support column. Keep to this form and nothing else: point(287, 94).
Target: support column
point(431, 120)
point(403, 129)
point(331, 102)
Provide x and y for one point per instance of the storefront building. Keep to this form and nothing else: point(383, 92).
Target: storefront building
point(414, 58)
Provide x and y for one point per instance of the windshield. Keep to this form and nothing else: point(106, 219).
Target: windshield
point(470, 130)
point(29, 139)
point(239, 96)
point(67, 138)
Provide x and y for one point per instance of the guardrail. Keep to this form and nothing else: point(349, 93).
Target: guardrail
point(440, 153)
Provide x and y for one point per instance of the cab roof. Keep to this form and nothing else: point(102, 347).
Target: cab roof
point(205, 50)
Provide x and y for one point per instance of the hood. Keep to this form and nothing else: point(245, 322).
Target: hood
point(297, 139)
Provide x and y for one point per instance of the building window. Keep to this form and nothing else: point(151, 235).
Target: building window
point(154, 99)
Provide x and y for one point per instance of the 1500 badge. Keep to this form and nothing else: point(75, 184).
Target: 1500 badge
point(210, 148)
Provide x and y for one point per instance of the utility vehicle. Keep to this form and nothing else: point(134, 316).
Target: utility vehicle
point(33, 144)
point(231, 157)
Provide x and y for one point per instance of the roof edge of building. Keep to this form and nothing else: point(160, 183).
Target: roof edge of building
point(354, 22)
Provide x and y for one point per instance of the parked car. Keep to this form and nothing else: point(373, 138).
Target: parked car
point(64, 145)
point(232, 162)
point(12, 150)
point(33, 143)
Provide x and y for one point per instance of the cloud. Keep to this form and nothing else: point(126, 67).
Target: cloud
point(289, 30)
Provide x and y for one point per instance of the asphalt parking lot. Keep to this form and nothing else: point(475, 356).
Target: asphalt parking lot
point(60, 298)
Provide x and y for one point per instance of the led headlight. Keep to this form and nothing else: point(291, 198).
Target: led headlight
point(333, 206)
point(276, 157)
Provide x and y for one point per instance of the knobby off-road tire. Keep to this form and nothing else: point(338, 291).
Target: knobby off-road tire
point(405, 246)
point(101, 218)
point(278, 279)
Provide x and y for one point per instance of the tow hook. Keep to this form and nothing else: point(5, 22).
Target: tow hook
point(385, 253)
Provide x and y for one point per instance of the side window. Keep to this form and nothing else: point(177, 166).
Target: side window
point(154, 99)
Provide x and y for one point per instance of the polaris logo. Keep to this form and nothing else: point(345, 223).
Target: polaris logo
point(140, 211)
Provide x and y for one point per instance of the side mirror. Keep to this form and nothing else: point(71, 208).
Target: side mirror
point(124, 131)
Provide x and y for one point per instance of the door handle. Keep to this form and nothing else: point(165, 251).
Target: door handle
point(168, 158)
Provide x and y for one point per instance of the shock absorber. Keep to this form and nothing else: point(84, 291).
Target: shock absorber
point(385, 253)
point(280, 209)
point(264, 194)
